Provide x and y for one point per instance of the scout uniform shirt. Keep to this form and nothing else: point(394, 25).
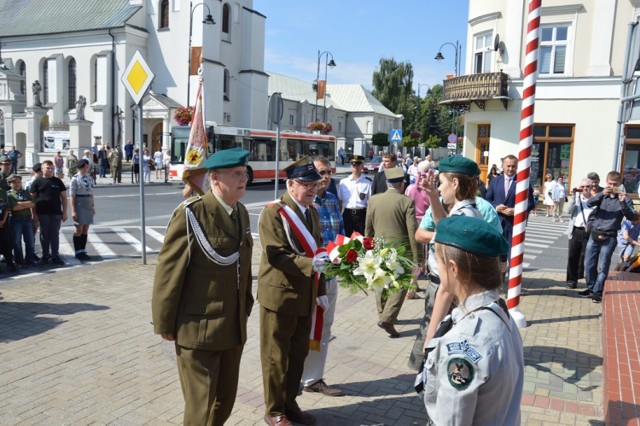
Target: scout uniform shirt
point(6, 204)
point(475, 372)
point(20, 195)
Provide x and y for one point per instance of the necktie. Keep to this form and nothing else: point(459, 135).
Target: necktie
point(307, 216)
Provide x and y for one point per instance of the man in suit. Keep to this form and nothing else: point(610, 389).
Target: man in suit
point(202, 289)
point(502, 195)
point(392, 215)
point(288, 291)
point(379, 183)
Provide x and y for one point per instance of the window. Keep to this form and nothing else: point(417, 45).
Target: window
point(226, 85)
point(226, 18)
point(71, 75)
point(631, 159)
point(551, 151)
point(45, 82)
point(291, 119)
point(483, 52)
point(553, 49)
point(164, 14)
point(23, 73)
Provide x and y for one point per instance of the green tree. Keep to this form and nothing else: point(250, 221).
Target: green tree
point(392, 86)
point(380, 139)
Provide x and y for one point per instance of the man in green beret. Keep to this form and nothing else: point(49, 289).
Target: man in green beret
point(202, 289)
point(288, 291)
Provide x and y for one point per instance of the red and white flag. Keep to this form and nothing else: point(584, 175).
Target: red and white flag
point(196, 154)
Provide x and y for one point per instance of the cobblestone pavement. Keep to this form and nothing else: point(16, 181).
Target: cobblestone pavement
point(77, 347)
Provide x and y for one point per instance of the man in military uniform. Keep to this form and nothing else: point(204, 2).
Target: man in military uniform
point(392, 215)
point(202, 289)
point(288, 291)
point(354, 192)
point(5, 171)
point(6, 241)
point(115, 162)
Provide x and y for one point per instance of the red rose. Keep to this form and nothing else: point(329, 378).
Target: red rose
point(369, 243)
point(351, 256)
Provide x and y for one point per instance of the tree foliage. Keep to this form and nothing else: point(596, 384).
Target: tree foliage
point(380, 139)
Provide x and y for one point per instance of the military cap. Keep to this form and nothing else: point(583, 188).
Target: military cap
point(303, 170)
point(4, 159)
point(13, 177)
point(357, 159)
point(37, 167)
point(394, 174)
point(471, 234)
point(459, 164)
point(82, 163)
point(227, 158)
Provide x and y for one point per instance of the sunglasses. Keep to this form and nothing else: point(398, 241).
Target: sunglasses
point(324, 172)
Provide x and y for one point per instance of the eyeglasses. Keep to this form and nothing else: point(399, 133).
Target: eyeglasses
point(310, 186)
point(236, 175)
point(324, 172)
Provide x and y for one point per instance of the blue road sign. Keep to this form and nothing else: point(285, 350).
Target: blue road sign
point(396, 135)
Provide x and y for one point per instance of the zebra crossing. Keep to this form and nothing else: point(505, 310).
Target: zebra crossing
point(541, 234)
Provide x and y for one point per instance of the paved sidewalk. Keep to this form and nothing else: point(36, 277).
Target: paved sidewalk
point(77, 347)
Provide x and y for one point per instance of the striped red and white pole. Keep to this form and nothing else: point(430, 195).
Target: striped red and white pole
point(524, 162)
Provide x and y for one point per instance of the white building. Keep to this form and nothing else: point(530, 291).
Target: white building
point(582, 53)
point(353, 112)
point(75, 48)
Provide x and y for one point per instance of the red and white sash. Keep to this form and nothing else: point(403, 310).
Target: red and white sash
point(292, 222)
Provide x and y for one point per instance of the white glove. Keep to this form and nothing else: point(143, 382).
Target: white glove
point(323, 302)
point(320, 261)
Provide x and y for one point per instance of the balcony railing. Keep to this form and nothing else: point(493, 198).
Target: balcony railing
point(477, 88)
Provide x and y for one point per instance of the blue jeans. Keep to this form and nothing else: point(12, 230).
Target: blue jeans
point(50, 234)
point(22, 227)
point(597, 260)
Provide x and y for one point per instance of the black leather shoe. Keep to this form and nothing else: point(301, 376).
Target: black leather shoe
point(12, 267)
point(323, 388)
point(585, 293)
point(596, 298)
point(571, 285)
point(389, 328)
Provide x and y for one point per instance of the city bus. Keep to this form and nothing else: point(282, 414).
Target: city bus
point(260, 143)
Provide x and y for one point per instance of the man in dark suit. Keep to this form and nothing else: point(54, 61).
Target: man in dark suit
point(379, 183)
point(202, 289)
point(288, 291)
point(502, 195)
point(392, 215)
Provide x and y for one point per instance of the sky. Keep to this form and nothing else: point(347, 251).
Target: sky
point(358, 33)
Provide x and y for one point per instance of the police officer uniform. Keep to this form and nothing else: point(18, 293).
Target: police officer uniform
point(474, 367)
point(202, 296)
point(354, 194)
point(287, 292)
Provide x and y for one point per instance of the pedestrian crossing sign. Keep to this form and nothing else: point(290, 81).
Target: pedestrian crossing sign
point(396, 135)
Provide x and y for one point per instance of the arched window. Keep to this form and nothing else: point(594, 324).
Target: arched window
point(72, 83)
point(23, 73)
point(226, 18)
point(164, 14)
point(45, 82)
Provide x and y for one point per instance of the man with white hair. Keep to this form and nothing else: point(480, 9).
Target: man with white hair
point(579, 212)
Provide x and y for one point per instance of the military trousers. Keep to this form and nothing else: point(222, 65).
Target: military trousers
point(284, 344)
point(209, 381)
point(389, 308)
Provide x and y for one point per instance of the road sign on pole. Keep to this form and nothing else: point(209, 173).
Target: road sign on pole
point(396, 135)
point(452, 138)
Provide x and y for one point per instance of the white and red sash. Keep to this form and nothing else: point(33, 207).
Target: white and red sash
point(293, 223)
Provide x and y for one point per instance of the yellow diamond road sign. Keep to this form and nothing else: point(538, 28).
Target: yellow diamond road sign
point(137, 77)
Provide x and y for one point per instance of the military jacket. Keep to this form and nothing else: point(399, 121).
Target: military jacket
point(475, 372)
point(6, 202)
point(205, 305)
point(285, 279)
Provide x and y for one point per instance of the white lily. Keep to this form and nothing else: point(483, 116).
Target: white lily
point(368, 265)
point(379, 281)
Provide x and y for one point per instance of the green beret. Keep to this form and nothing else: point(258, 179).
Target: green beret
point(227, 158)
point(394, 174)
point(471, 234)
point(459, 164)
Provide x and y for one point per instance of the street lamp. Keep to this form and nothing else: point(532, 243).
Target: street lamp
point(327, 63)
point(439, 57)
point(208, 21)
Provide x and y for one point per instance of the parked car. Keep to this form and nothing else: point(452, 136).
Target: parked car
point(373, 165)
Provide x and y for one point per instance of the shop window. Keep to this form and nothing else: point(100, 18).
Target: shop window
point(551, 151)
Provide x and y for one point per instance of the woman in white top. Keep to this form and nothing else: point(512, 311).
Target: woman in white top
point(547, 189)
point(559, 195)
point(146, 167)
point(157, 159)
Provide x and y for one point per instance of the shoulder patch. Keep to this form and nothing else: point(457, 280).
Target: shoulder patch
point(465, 349)
point(460, 373)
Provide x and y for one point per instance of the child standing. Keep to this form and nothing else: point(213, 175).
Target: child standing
point(628, 237)
point(536, 199)
point(21, 222)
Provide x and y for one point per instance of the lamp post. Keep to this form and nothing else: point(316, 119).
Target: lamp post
point(439, 57)
point(327, 63)
point(208, 21)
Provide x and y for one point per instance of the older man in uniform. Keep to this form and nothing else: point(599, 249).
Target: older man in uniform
point(288, 291)
point(202, 289)
point(392, 215)
point(354, 193)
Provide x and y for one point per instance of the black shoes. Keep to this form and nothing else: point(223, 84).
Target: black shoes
point(389, 328)
point(597, 298)
point(585, 293)
point(57, 261)
point(572, 285)
point(12, 267)
point(83, 256)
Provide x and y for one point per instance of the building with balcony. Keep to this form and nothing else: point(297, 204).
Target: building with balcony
point(582, 53)
point(73, 48)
